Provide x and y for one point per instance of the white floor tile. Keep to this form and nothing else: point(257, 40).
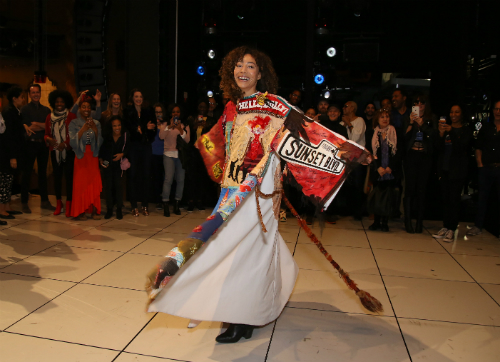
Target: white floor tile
point(129, 271)
point(446, 342)
point(442, 300)
point(159, 244)
point(473, 245)
point(12, 251)
point(183, 226)
point(63, 262)
point(404, 241)
point(338, 237)
point(167, 336)
point(484, 269)
point(493, 290)
point(352, 260)
point(324, 290)
point(109, 239)
point(92, 315)
point(308, 335)
point(13, 347)
point(133, 357)
point(416, 264)
point(21, 295)
point(37, 230)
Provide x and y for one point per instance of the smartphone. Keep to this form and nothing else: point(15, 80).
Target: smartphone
point(416, 110)
point(176, 120)
point(442, 119)
point(105, 163)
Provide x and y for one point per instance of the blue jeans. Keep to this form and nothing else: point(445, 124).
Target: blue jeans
point(173, 167)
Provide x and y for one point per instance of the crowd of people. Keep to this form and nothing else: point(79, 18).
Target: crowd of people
point(153, 146)
point(408, 144)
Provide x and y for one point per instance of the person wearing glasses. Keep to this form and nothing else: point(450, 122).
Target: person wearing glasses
point(488, 163)
point(420, 138)
point(295, 97)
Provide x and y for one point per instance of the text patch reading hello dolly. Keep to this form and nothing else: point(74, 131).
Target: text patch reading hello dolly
point(322, 157)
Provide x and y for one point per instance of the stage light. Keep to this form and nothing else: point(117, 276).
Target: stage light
point(331, 52)
point(211, 54)
point(319, 79)
point(326, 94)
point(210, 94)
point(201, 70)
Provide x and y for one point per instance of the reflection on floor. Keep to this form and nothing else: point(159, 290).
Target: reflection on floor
point(73, 291)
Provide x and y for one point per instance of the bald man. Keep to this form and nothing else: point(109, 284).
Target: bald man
point(355, 125)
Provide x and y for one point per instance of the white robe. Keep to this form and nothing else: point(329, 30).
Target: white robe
point(241, 275)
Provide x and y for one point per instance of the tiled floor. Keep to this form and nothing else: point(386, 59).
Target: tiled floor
point(73, 291)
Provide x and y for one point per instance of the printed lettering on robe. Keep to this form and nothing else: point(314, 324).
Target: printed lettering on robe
point(321, 165)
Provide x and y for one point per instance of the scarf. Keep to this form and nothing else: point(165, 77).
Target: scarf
point(388, 133)
point(58, 130)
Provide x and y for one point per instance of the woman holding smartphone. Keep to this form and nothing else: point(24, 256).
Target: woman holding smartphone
point(419, 148)
point(169, 133)
point(454, 153)
point(85, 140)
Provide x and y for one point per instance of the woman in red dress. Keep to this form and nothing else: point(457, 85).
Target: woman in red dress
point(86, 139)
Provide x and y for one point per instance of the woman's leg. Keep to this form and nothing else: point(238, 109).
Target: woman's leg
point(180, 174)
point(57, 173)
point(169, 166)
point(5, 192)
point(68, 174)
point(135, 169)
point(145, 175)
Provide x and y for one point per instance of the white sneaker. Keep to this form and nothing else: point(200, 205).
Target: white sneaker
point(449, 237)
point(193, 323)
point(473, 231)
point(440, 234)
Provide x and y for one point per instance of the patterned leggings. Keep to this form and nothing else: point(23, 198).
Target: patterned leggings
point(5, 187)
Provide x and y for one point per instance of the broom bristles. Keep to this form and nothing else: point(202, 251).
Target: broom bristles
point(370, 302)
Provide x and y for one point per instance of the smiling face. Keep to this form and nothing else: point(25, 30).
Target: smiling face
point(59, 104)
point(211, 104)
point(333, 113)
point(310, 113)
point(117, 127)
point(85, 110)
point(295, 97)
point(35, 94)
point(398, 99)
point(456, 114)
point(176, 112)
point(247, 74)
point(158, 113)
point(370, 110)
point(116, 101)
point(383, 120)
point(138, 99)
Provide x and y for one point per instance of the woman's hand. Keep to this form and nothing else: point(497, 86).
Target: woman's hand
point(139, 129)
point(101, 162)
point(52, 142)
point(29, 131)
point(97, 96)
point(13, 163)
point(443, 127)
point(151, 125)
point(388, 170)
point(61, 146)
point(381, 171)
point(117, 157)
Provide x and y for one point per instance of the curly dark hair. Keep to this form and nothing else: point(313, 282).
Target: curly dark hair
point(64, 95)
point(377, 115)
point(267, 83)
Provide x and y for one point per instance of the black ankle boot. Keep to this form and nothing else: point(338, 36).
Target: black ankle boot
point(234, 333)
point(376, 224)
point(166, 210)
point(385, 226)
point(177, 211)
point(419, 226)
point(119, 214)
point(109, 213)
point(407, 206)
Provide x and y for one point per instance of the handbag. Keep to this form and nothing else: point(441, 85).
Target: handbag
point(124, 162)
point(382, 200)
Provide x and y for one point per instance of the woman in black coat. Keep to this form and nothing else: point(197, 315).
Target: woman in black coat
point(454, 146)
point(140, 122)
point(386, 170)
point(114, 147)
point(11, 139)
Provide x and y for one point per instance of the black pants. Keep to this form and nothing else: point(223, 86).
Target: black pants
point(451, 191)
point(200, 186)
point(157, 178)
point(354, 183)
point(489, 177)
point(39, 152)
point(139, 172)
point(113, 185)
point(417, 167)
point(66, 169)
